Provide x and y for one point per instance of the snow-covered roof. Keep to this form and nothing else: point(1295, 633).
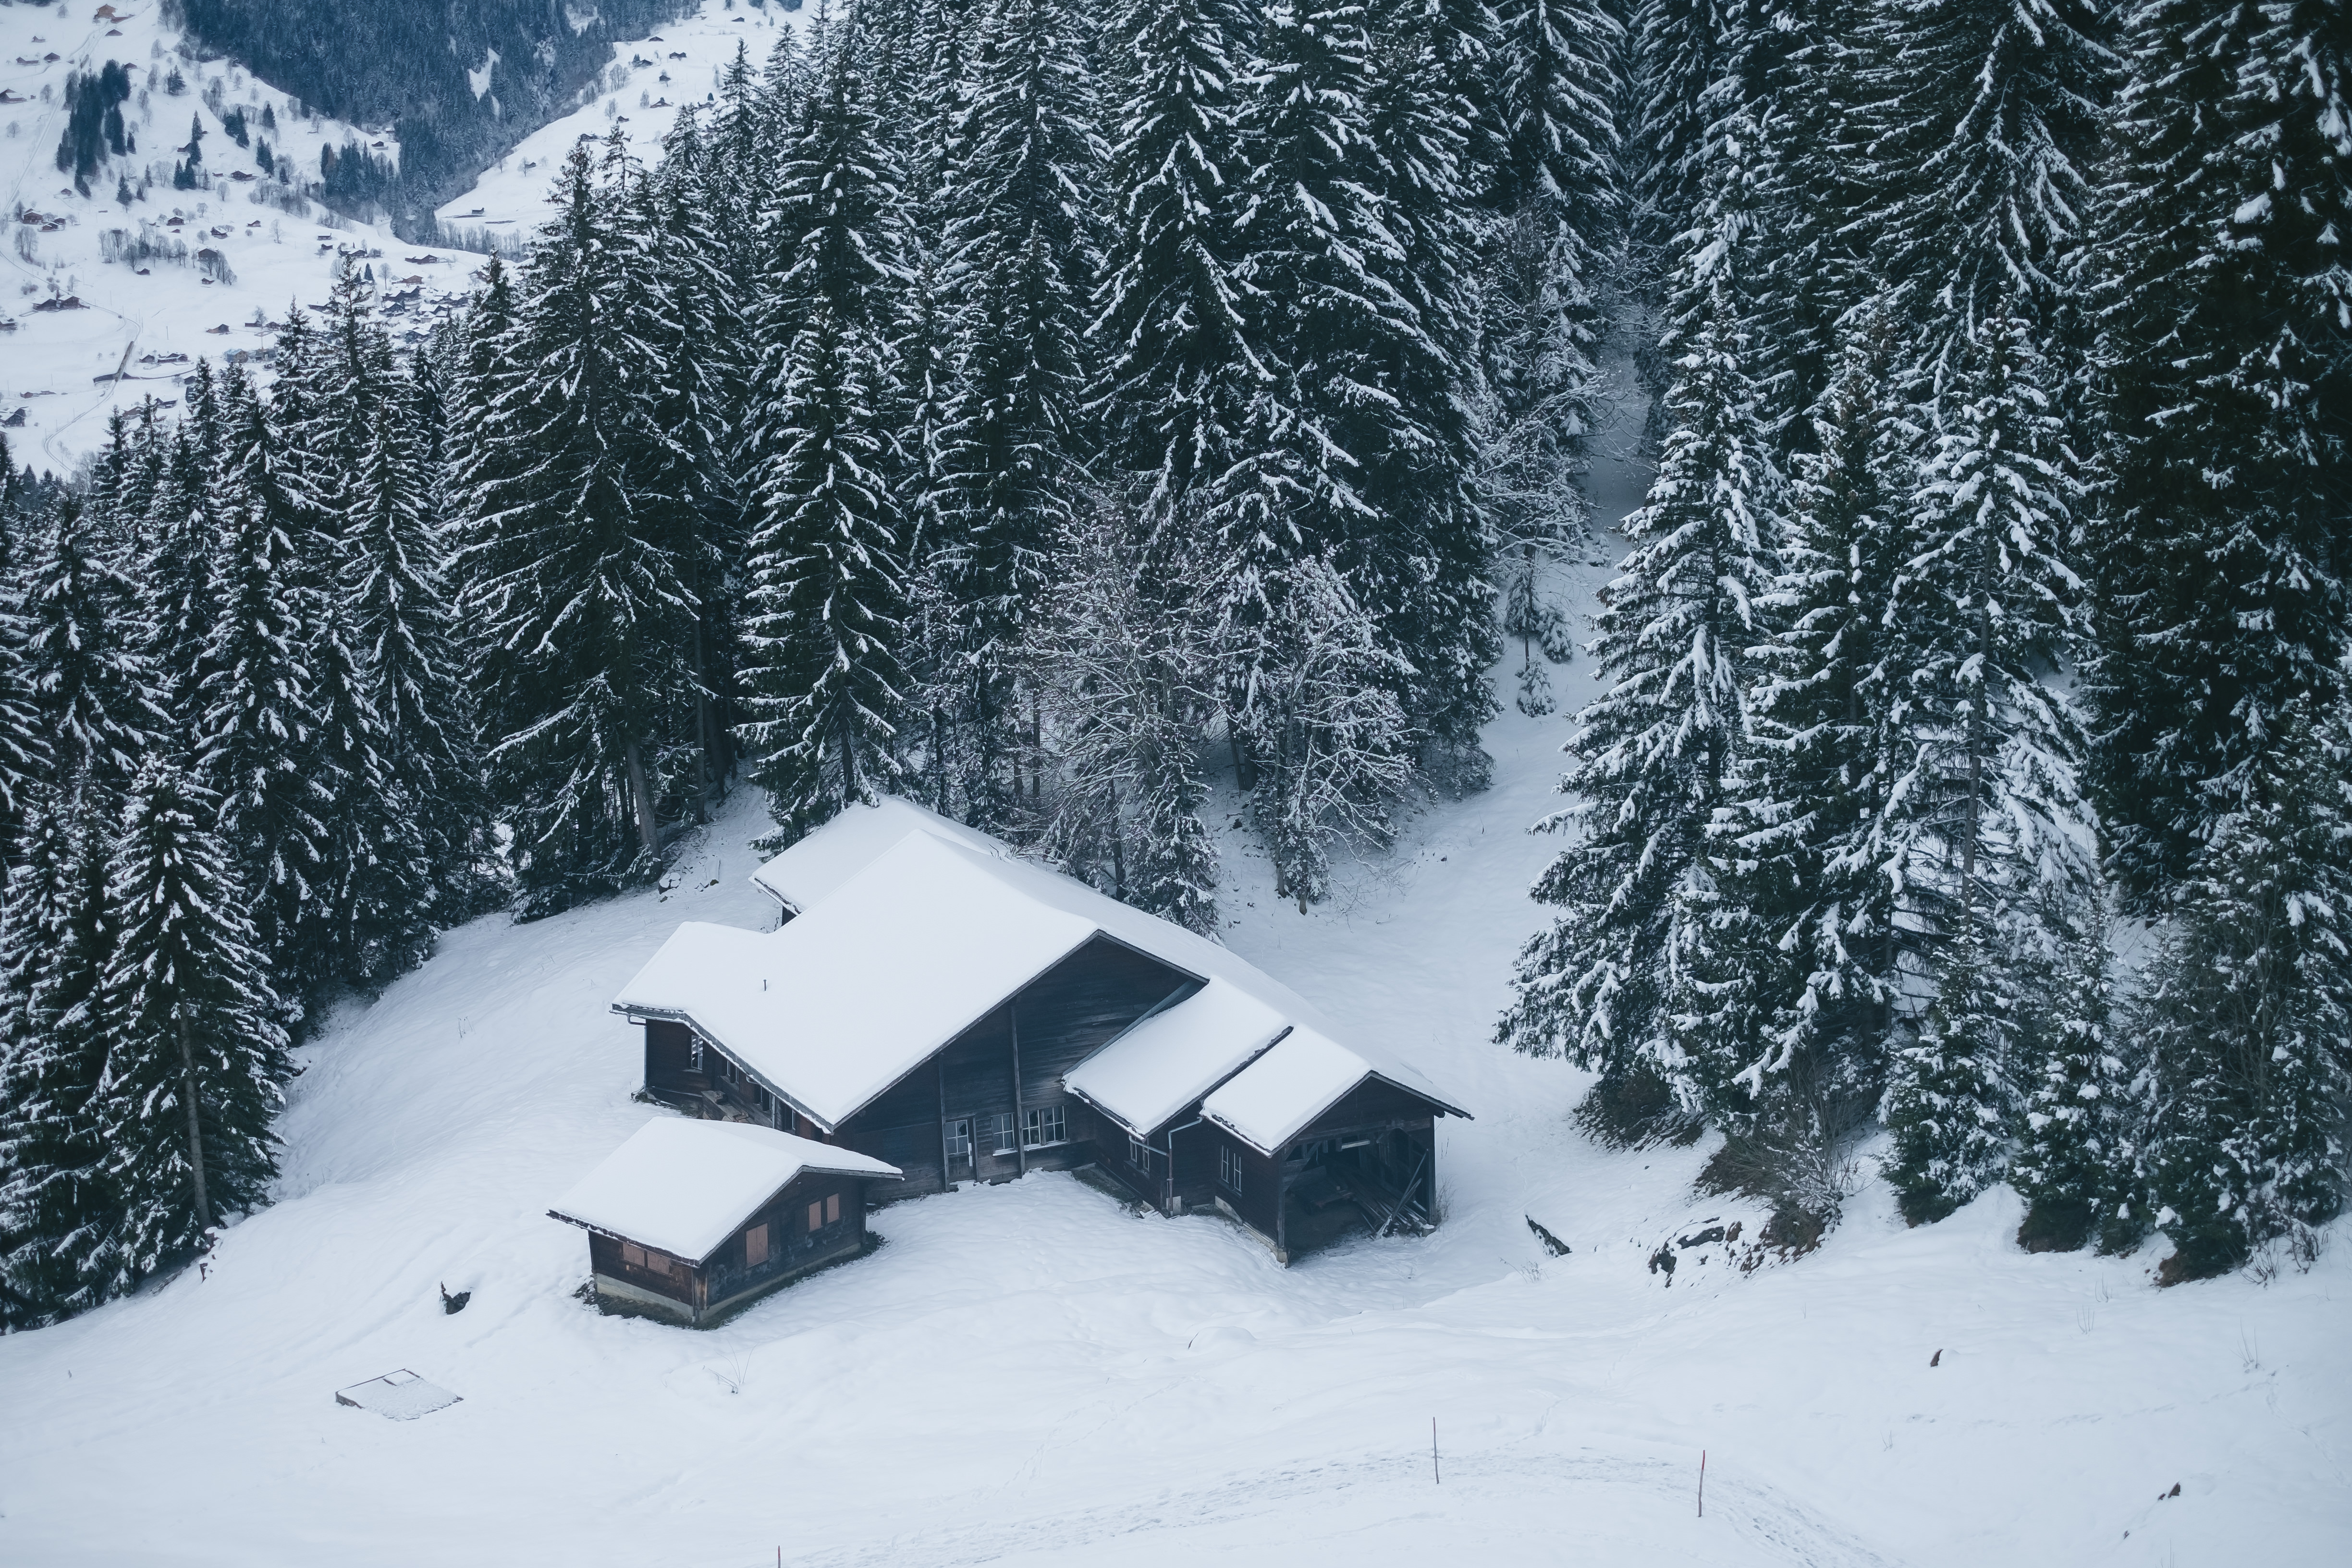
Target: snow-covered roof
point(835, 1006)
point(855, 840)
point(911, 928)
point(683, 1185)
point(1273, 1099)
point(1155, 1071)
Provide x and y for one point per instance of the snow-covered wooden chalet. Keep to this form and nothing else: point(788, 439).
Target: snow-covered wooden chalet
point(934, 1001)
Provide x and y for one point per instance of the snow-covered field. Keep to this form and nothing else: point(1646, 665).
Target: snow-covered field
point(135, 335)
point(648, 81)
point(1029, 1374)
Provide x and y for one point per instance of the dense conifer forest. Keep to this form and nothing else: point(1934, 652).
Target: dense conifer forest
point(1041, 412)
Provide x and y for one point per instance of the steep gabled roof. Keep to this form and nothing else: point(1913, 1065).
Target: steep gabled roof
point(801, 877)
point(910, 928)
point(683, 1186)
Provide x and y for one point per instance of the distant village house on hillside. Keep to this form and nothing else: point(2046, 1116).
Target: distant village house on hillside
point(936, 1003)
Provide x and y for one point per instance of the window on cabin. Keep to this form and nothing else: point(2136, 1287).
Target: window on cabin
point(1229, 1167)
point(632, 1255)
point(1138, 1154)
point(755, 1246)
point(832, 1208)
point(1002, 1124)
point(959, 1139)
point(1048, 1125)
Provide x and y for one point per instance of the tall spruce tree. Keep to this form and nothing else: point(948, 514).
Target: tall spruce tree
point(2247, 1009)
point(395, 585)
point(1653, 753)
point(1987, 116)
point(1988, 833)
point(1023, 240)
point(572, 556)
point(56, 1203)
point(195, 1058)
point(82, 655)
point(1174, 314)
point(2226, 365)
point(260, 729)
point(822, 675)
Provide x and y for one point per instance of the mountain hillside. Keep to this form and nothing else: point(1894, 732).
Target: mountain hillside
point(129, 257)
point(457, 83)
point(1029, 1374)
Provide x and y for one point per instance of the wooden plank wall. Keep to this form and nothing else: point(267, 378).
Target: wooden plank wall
point(1065, 1016)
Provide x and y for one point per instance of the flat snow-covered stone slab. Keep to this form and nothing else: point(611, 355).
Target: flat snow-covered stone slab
point(402, 1395)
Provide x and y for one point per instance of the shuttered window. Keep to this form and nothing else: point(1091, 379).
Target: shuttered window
point(755, 1246)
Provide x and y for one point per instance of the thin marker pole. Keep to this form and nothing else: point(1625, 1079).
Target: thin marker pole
point(1702, 1483)
point(1434, 1474)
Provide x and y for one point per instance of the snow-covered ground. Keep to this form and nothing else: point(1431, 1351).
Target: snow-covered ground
point(1029, 1374)
point(135, 335)
point(640, 93)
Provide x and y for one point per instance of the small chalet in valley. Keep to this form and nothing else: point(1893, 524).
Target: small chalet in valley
point(954, 1013)
point(689, 1220)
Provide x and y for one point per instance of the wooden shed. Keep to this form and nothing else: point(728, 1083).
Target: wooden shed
point(691, 1220)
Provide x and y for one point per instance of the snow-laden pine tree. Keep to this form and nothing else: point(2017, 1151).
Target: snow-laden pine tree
point(823, 616)
point(82, 655)
point(2223, 351)
point(2247, 1010)
point(1426, 574)
point(195, 1058)
point(1802, 836)
point(1127, 668)
point(1174, 315)
point(1682, 49)
point(377, 882)
point(1653, 753)
point(394, 584)
point(25, 745)
point(571, 558)
point(2076, 1164)
point(1986, 118)
point(1024, 243)
point(258, 725)
point(1987, 832)
point(1558, 210)
point(180, 595)
point(55, 1202)
point(1303, 546)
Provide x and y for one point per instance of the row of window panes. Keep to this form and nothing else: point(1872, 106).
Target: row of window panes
point(1050, 1124)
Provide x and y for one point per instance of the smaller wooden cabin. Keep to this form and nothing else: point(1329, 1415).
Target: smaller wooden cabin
point(1225, 1104)
point(691, 1220)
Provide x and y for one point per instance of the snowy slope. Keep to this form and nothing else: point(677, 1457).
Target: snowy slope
point(1029, 1374)
point(649, 80)
point(57, 367)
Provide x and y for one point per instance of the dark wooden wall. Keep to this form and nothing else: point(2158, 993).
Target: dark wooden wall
point(793, 1247)
point(1372, 1103)
point(676, 1280)
point(669, 1059)
point(1064, 1016)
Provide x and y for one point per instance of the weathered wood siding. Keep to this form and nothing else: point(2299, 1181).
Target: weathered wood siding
point(661, 1273)
point(669, 1059)
point(1374, 1104)
point(793, 1247)
point(1064, 1016)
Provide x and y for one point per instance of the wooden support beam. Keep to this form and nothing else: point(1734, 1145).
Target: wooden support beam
point(1019, 1123)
